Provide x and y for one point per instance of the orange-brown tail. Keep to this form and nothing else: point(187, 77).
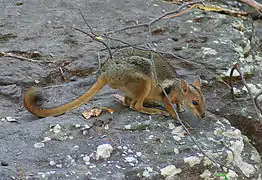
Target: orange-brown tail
point(30, 100)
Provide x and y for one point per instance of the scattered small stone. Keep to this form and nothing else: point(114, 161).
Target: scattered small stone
point(56, 129)
point(71, 160)
point(130, 151)
point(176, 151)
point(39, 145)
point(52, 163)
point(254, 88)
point(246, 70)
point(46, 139)
point(10, 119)
point(92, 166)
point(138, 154)
point(232, 175)
point(59, 165)
point(177, 138)
point(206, 174)
point(86, 159)
point(3, 163)
point(147, 171)
point(192, 160)
point(118, 167)
point(207, 161)
point(131, 159)
point(127, 127)
point(170, 170)
point(41, 174)
point(151, 137)
point(171, 126)
point(179, 131)
point(238, 25)
point(208, 51)
point(104, 151)
point(76, 147)
point(106, 127)
point(77, 125)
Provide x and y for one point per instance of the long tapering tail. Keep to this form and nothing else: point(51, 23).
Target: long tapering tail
point(30, 100)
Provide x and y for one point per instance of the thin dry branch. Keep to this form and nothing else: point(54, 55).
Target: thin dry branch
point(257, 102)
point(174, 113)
point(198, 65)
point(148, 25)
point(3, 54)
point(236, 67)
point(254, 4)
point(95, 37)
point(185, 4)
point(175, 56)
point(13, 171)
point(90, 28)
point(221, 166)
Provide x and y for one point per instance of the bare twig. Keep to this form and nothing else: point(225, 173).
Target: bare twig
point(99, 62)
point(13, 171)
point(257, 102)
point(62, 74)
point(22, 58)
point(174, 113)
point(236, 67)
point(175, 11)
point(95, 37)
point(194, 141)
point(185, 4)
point(90, 28)
point(198, 65)
point(253, 4)
point(175, 56)
point(181, 13)
point(148, 25)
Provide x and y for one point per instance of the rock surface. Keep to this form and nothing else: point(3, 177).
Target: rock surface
point(141, 146)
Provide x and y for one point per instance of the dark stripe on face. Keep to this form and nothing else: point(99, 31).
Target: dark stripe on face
point(198, 90)
point(167, 90)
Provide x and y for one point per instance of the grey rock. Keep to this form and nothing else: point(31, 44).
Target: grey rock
point(142, 145)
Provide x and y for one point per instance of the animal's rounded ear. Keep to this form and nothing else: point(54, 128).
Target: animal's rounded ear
point(197, 83)
point(184, 86)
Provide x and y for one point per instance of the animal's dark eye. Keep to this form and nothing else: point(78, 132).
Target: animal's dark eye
point(194, 103)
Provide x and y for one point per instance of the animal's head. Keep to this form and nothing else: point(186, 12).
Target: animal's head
point(190, 95)
point(193, 97)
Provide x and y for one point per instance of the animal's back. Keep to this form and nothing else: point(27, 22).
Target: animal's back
point(131, 61)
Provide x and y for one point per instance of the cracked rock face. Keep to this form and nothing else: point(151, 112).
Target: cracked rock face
point(124, 144)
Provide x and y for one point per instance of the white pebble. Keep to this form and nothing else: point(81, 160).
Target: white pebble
point(170, 170)
point(104, 151)
point(56, 129)
point(39, 145)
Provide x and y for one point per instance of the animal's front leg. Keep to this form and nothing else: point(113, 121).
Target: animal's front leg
point(180, 108)
point(137, 102)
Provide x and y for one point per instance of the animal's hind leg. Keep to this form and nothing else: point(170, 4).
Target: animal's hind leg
point(140, 95)
point(127, 101)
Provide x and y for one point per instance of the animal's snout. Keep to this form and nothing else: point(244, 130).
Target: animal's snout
point(203, 115)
